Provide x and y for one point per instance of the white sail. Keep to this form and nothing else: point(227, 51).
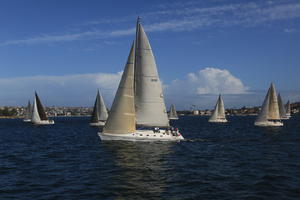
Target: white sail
point(99, 112)
point(103, 110)
point(149, 100)
point(121, 119)
point(281, 108)
point(173, 113)
point(269, 115)
point(35, 118)
point(218, 114)
point(273, 113)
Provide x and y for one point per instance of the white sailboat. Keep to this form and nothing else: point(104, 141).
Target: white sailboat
point(218, 114)
point(121, 122)
point(288, 109)
point(269, 114)
point(99, 115)
point(173, 114)
point(39, 116)
point(282, 111)
point(28, 113)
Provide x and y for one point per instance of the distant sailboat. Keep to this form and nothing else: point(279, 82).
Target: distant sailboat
point(131, 106)
point(288, 109)
point(39, 116)
point(269, 114)
point(99, 115)
point(218, 114)
point(282, 111)
point(173, 114)
point(28, 113)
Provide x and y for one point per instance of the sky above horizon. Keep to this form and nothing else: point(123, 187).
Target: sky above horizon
point(67, 49)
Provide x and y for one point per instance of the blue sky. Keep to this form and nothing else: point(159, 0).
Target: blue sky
point(67, 49)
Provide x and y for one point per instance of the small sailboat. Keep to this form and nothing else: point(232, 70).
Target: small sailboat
point(173, 114)
point(269, 114)
point(131, 107)
point(218, 114)
point(282, 111)
point(99, 115)
point(28, 113)
point(39, 116)
point(288, 109)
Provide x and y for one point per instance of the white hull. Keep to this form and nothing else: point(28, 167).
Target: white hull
point(173, 118)
point(97, 124)
point(26, 120)
point(218, 120)
point(268, 123)
point(142, 135)
point(44, 122)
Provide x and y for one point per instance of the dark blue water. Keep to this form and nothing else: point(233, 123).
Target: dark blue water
point(219, 161)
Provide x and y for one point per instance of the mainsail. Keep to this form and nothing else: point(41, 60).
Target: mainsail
point(121, 118)
point(173, 113)
point(282, 111)
point(35, 118)
point(40, 108)
point(99, 111)
point(219, 111)
point(149, 101)
point(270, 109)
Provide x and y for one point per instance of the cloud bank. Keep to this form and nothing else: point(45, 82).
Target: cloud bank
point(69, 90)
point(199, 88)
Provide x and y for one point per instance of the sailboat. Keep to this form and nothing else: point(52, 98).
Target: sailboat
point(218, 114)
point(269, 114)
point(99, 115)
point(28, 113)
point(39, 116)
point(288, 109)
point(282, 111)
point(139, 100)
point(173, 114)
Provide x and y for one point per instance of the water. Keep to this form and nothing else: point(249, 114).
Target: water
point(218, 161)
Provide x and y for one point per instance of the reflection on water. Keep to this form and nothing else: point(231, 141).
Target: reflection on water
point(141, 167)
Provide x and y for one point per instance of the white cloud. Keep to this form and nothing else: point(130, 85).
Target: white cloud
point(77, 89)
point(210, 81)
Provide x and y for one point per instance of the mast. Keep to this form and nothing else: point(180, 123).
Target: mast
point(121, 118)
point(40, 108)
point(149, 101)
